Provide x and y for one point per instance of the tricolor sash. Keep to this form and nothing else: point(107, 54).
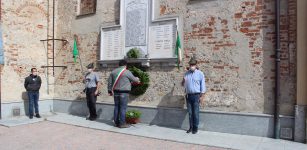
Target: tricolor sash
point(119, 74)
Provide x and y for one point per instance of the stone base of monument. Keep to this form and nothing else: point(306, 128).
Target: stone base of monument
point(300, 126)
point(226, 122)
point(8, 110)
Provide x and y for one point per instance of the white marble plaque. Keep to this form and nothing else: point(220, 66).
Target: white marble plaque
point(112, 44)
point(154, 38)
point(136, 22)
point(162, 41)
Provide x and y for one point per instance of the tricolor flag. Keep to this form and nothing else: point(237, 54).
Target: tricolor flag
point(178, 50)
point(75, 51)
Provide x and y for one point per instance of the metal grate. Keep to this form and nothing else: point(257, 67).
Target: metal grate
point(16, 112)
point(286, 133)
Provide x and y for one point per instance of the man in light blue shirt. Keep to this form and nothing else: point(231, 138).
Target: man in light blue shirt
point(92, 85)
point(194, 83)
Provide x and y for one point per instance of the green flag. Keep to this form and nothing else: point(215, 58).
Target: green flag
point(178, 50)
point(75, 51)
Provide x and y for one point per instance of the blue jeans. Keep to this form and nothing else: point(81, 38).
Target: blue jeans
point(33, 102)
point(193, 109)
point(120, 107)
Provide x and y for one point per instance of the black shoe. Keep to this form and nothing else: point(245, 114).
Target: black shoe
point(31, 117)
point(190, 130)
point(92, 118)
point(37, 116)
point(124, 126)
point(194, 132)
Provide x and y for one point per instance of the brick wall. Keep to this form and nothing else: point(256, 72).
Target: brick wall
point(24, 24)
point(232, 39)
point(68, 82)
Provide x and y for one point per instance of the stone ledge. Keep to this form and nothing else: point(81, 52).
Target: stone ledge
point(235, 123)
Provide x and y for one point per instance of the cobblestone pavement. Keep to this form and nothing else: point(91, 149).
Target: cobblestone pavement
point(54, 136)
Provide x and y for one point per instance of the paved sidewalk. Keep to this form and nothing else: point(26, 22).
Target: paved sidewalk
point(23, 120)
point(17, 121)
point(224, 140)
point(213, 139)
point(56, 136)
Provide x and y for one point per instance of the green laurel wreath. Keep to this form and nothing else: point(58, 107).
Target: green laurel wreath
point(139, 89)
point(133, 53)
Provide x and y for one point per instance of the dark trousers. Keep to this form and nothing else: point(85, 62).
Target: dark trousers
point(33, 102)
point(193, 109)
point(91, 99)
point(120, 107)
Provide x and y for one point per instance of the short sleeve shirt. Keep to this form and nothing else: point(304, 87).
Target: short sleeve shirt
point(91, 80)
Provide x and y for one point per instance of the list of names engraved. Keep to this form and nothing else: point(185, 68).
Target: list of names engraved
point(112, 44)
point(161, 41)
point(136, 22)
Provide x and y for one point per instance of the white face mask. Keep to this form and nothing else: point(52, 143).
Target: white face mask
point(192, 68)
point(89, 70)
point(34, 73)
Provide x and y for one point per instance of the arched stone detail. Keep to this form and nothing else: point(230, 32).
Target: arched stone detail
point(34, 5)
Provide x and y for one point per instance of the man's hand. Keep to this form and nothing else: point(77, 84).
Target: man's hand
point(96, 92)
point(202, 99)
point(110, 93)
point(182, 82)
point(138, 80)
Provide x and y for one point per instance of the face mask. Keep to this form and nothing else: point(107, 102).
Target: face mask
point(193, 68)
point(34, 73)
point(89, 70)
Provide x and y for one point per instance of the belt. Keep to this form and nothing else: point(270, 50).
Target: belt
point(121, 91)
point(193, 93)
point(90, 87)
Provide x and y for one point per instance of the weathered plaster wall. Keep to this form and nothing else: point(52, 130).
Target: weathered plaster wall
point(86, 28)
point(232, 39)
point(24, 24)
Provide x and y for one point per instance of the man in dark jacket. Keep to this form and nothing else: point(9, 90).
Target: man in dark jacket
point(32, 84)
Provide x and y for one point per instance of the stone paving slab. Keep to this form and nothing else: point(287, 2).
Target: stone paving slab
point(16, 121)
point(223, 140)
point(23, 120)
point(48, 135)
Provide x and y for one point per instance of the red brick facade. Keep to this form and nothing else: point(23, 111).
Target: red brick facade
point(216, 37)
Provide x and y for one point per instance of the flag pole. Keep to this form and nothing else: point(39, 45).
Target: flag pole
point(81, 64)
point(75, 38)
point(178, 50)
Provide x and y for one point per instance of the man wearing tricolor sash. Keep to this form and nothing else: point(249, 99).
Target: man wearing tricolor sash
point(119, 85)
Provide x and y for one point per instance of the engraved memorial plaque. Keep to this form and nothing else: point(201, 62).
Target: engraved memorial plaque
point(112, 44)
point(162, 41)
point(154, 38)
point(136, 22)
